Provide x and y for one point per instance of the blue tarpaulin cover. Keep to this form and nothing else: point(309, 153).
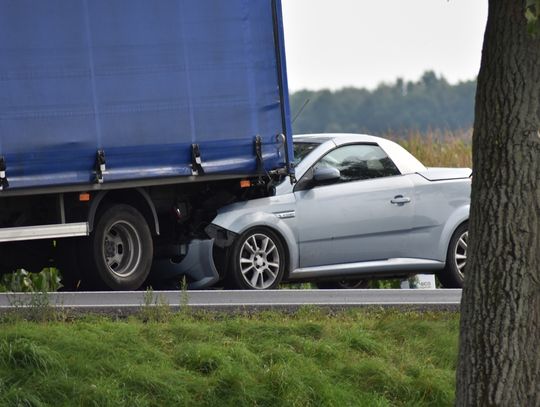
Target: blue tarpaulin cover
point(141, 80)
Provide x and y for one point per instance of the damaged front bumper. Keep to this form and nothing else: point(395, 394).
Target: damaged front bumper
point(198, 265)
point(222, 237)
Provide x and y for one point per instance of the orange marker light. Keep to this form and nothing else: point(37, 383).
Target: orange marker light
point(84, 197)
point(245, 183)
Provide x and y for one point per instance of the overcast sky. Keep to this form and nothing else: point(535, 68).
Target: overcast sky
point(338, 43)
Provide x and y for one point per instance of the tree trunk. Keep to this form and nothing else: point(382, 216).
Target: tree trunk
point(499, 355)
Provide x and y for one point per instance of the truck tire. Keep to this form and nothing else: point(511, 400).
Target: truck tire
point(120, 248)
point(453, 274)
point(257, 261)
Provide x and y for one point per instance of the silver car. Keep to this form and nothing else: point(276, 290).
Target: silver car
point(363, 207)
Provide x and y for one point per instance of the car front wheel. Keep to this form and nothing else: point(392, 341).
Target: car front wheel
point(453, 274)
point(257, 261)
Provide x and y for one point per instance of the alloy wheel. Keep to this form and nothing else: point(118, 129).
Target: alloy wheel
point(259, 261)
point(460, 254)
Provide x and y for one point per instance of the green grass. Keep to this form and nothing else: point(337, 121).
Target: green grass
point(310, 358)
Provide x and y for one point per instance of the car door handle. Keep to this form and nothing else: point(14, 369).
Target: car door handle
point(400, 200)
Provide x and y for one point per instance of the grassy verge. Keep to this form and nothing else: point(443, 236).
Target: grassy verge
point(353, 358)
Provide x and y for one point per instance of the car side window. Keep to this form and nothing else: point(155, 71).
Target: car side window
point(359, 162)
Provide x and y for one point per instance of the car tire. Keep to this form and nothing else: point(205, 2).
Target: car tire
point(343, 285)
point(452, 276)
point(119, 250)
point(257, 261)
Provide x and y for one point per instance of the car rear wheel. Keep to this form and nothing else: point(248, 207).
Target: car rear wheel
point(257, 261)
point(453, 274)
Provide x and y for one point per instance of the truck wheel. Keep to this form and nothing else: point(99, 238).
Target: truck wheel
point(453, 274)
point(121, 248)
point(257, 261)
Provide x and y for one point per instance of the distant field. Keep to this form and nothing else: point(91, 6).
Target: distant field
point(439, 149)
point(353, 358)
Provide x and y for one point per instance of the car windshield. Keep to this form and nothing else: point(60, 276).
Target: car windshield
point(301, 150)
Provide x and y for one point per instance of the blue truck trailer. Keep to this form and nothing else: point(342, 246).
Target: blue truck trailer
point(125, 125)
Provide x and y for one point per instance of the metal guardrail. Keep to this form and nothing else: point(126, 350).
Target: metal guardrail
point(247, 300)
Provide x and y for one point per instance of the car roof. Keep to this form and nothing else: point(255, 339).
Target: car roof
point(404, 160)
point(323, 137)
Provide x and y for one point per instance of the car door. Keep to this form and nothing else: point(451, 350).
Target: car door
point(365, 214)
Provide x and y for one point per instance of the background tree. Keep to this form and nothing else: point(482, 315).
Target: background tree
point(499, 361)
point(430, 103)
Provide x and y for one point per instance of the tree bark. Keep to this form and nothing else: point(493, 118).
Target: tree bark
point(499, 349)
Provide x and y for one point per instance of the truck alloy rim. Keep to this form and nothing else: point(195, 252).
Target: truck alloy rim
point(461, 252)
point(122, 249)
point(259, 261)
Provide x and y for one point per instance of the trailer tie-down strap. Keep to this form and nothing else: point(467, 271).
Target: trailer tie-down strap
point(196, 160)
point(101, 167)
point(3, 179)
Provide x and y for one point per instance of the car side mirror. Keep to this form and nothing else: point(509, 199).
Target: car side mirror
point(317, 176)
point(326, 174)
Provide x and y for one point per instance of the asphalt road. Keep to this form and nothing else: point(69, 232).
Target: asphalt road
point(127, 302)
